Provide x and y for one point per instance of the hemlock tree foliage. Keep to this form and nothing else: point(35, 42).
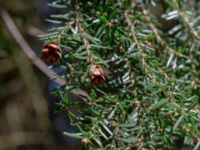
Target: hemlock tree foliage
point(139, 63)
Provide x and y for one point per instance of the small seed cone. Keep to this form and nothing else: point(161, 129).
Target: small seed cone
point(84, 141)
point(51, 52)
point(96, 74)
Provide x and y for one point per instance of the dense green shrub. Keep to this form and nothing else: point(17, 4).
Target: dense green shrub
point(149, 52)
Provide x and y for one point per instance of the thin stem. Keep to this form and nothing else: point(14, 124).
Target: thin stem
point(83, 34)
point(134, 37)
point(157, 35)
point(186, 22)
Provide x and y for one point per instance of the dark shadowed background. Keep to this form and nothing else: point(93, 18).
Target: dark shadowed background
point(27, 118)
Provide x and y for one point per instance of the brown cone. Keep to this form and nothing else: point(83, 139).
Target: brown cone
point(96, 74)
point(51, 52)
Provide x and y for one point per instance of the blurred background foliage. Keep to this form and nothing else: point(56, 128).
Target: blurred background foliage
point(27, 119)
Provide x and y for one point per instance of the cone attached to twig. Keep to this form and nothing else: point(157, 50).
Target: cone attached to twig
point(84, 141)
point(51, 52)
point(96, 74)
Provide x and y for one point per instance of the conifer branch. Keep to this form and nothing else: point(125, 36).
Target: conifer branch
point(28, 50)
point(144, 99)
point(157, 35)
point(185, 20)
point(134, 38)
point(83, 33)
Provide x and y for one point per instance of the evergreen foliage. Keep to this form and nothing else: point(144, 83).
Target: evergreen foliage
point(151, 61)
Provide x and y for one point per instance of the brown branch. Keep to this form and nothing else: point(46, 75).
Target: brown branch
point(27, 49)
